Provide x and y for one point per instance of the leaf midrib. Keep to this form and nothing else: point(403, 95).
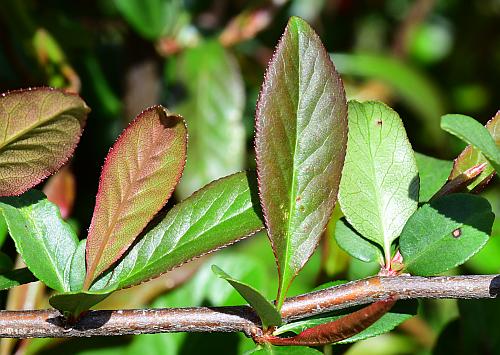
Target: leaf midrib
point(39, 123)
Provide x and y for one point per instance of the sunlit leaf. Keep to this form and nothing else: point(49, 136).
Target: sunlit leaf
point(472, 132)
point(433, 174)
point(45, 242)
point(213, 110)
point(266, 311)
point(471, 157)
point(138, 177)
point(221, 213)
point(379, 186)
point(39, 130)
point(300, 145)
point(445, 233)
point(412, 86)
point(356, 245)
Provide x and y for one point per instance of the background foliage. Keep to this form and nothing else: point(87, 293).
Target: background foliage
point(205, 60)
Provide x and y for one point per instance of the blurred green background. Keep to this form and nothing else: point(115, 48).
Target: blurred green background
point(206, 59)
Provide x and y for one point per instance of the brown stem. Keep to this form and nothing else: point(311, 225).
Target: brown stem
point(49, 323)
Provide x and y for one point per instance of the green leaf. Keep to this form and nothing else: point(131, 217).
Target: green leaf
point(266, 311)
point(379, 186)
point(472, 132)
point(445, 233)
point(471, 157)
point(220, 214)
point(72, 304)
point(411, 85)
point(15, 278)
point(153, 18)
point(138, 177)
point(402, 311)
point(77, 268)
point(433, 174)
point(213, 111)
point(355, 245)
point(45, 242)
point(40, 129)
point(300, 144)
point(282, 350)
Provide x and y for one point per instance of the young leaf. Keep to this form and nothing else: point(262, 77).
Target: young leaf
point(221, 213)
point(400, 312)
point(471, 157)
point(300, 145)
point(40, 129)
point(266, 311)
point(472, 132)
point(138, 177)
point(15, 278)
point(45, 242)
point(433, 174)
point(379, 186)
point(445, 233)
point(213, 111)
point(355, 245)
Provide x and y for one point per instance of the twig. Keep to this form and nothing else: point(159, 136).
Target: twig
point(49, 323)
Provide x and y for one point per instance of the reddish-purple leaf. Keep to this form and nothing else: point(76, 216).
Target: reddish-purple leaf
point(39, 130)
point(337, 330)
point(300, 144)
point(138, 177)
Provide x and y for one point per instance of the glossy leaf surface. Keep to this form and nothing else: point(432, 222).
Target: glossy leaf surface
point(433, 174)
point(213, 111)
point(300, 144)
point(471, 157)
point(72, 304)
point(472, 132)
point(138, 177)
point(379, 186)
point(266, 311)
point(221, 213)
point(39, 130)
point(355, 245)
point(45, 242)
point(445, 233)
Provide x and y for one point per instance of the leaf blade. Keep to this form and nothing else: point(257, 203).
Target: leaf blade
point(355, 245)
point(379, 178)
point(16, 277)
point(457, 223)
point(433, 174)
point(129, 196)
point(266, 311)
point(471, 157)
point(221, 213)
point(39, 130)
point(472, 132)
point(214, 113)
point(43, 239)
point(300, 152)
